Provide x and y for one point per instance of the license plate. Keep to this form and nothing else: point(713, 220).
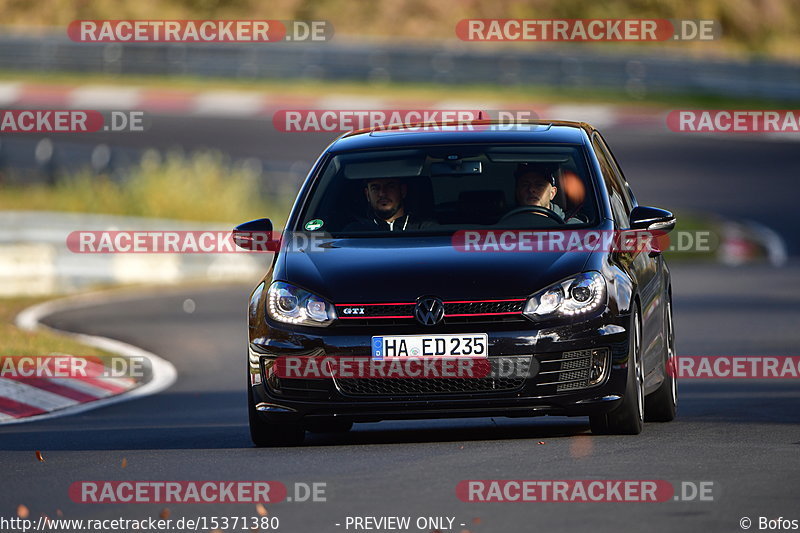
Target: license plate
point(469, 345)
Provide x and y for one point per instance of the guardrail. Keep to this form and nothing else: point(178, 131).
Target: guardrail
point(574, 66)
point(35, 258)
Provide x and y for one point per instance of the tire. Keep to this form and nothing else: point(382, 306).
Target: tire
point(329, 425)
point(272, 433)
point(662, 405)
point(628, 417)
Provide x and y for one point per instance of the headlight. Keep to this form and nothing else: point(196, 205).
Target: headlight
point(575, 296)
point(287, 303)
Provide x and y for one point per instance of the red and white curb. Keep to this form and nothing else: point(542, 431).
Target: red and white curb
point(230, 103)
point(747, 241)
point(249, 104)
point(23, 397)
point(27, 400)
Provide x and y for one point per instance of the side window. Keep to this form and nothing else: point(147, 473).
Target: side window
point(619, 209)
point(627, 193)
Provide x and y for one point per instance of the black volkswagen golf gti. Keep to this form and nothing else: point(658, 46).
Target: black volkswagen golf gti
point(450, 244)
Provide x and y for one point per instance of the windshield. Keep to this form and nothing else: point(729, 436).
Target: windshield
point(450, 188)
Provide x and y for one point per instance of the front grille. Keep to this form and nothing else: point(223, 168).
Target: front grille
point(458, 311)
point(362, 312)
point(435, 386)
point(410, 387)
point(483, 307)
point(482, 319)
point(573, 364)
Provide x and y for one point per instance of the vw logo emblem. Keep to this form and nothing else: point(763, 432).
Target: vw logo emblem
point(429, 311)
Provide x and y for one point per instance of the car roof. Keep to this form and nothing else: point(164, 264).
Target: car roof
point(475, 132)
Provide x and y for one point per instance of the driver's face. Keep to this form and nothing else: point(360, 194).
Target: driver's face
point(534, 188)
point(385, 197)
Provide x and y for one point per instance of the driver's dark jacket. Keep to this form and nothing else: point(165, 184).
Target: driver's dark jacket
point(406, 222)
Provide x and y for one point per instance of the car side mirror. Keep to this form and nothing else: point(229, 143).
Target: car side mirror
point(254, 235)
point(652, 219)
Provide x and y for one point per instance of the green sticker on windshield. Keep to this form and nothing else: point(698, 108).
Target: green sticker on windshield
point(313, 225)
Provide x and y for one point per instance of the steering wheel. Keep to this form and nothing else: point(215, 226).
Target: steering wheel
point(534, 209)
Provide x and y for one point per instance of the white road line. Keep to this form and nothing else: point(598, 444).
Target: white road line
point(776, 247)
point(104, 97)
point(9, 93)
point(163, 373)
point(229, 103)
point(350, 103)
point(599, 116)
point(468, 105)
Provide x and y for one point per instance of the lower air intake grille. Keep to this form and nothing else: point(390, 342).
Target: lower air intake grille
point(410, 387)
point(500, 380)
point(574, 370)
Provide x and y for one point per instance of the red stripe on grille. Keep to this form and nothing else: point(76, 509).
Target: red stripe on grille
point(364, 305)
point(368, 317)
point(483, 301)
point(486, 314)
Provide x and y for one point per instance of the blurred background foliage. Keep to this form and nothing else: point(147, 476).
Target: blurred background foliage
point(202, 186)
point(762, 27)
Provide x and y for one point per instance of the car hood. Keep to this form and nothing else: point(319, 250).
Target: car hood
point(403, 268)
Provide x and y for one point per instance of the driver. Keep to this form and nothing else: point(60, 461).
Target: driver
point(535, 185)
point(387, 211)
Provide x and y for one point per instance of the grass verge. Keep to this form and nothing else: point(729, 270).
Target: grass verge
point(17, 342)
point(202, 186)
point(695, 238)
point(529, 95)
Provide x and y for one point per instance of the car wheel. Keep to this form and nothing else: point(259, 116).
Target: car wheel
point(272, 433)
point(329, 425)
point(662, 405)
point(628, 417)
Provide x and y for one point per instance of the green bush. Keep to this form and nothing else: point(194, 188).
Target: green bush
point(202, 186)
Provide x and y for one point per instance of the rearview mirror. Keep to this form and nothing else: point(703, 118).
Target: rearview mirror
point(254, 235)
point(456, 168)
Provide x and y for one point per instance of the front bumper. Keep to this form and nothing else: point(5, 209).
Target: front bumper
point(535, 395)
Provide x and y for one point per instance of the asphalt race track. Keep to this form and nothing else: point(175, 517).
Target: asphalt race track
point(741, 435)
